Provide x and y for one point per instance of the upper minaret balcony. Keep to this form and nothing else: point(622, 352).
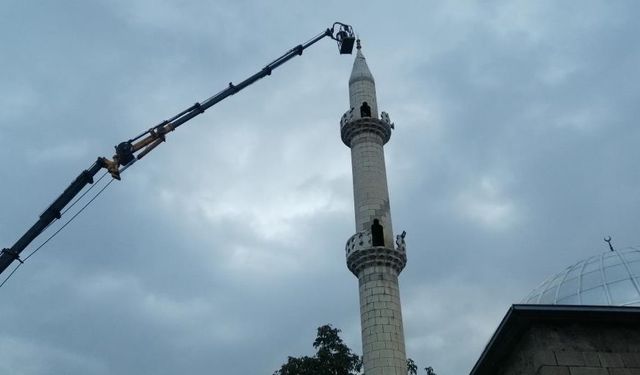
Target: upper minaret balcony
point(363, 112)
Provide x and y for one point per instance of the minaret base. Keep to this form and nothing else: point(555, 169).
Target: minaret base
point(381, 318)
point(377, 269)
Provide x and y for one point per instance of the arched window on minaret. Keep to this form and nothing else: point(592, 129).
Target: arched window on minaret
point(377, 235)
point(365, 110)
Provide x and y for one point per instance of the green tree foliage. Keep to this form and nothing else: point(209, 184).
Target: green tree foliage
point(332, 357)
point(412, 368)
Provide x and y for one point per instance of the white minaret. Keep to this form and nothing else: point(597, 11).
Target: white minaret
point(371, 253)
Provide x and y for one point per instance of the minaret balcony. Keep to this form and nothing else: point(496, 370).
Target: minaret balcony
point(361, 253)
point(352, 125)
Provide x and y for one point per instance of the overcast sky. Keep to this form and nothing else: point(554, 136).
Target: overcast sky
point(515, 152)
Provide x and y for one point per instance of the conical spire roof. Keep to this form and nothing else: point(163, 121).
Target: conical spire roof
point(360, 69)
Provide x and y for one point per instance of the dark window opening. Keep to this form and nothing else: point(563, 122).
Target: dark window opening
point(377, 236)
point(365, 110)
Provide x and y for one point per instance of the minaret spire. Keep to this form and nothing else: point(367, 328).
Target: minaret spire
point(372, 255)
point(362, 86)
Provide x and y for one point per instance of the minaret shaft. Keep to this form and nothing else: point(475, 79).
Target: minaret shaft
point(370, 191)
point(371, 253)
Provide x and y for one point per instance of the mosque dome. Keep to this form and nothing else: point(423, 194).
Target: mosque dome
point(612, 278)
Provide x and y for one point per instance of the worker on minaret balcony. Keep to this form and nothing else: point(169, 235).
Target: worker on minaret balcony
point(372, 254)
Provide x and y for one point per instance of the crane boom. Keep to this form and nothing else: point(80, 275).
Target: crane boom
point(132, 150)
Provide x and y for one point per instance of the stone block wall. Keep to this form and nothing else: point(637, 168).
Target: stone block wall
point(603, 348)
point(589, 363)
point(381, 317)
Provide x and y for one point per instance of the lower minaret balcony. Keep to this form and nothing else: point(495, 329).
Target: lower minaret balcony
point(361, 253)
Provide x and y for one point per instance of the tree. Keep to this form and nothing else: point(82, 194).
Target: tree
point(332, 357)
point(412, 368)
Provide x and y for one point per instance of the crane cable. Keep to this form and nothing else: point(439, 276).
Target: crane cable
point(65, 224)
point(74, 202)
point(85, 193)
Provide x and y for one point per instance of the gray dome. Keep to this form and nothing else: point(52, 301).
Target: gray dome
point(612, 278)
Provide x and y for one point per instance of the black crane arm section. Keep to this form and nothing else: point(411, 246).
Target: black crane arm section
point(128, 152)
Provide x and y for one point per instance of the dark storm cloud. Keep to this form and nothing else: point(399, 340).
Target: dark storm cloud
point(512, 158)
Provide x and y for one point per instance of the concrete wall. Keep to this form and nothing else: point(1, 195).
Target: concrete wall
point(585, 348)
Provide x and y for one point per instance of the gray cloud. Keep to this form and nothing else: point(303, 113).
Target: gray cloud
point(223, 250)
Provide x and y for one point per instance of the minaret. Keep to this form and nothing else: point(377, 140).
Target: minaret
point(371, 253)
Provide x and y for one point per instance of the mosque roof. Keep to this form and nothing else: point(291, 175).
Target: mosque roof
point(611, 278)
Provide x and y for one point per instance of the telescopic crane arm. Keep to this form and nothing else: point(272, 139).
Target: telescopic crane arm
point(128, 152)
